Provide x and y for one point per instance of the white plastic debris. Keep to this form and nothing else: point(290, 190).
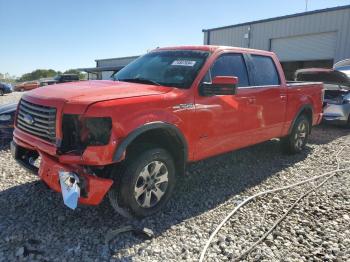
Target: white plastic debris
point(70, 189)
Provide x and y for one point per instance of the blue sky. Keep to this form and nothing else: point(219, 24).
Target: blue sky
point(64, 34)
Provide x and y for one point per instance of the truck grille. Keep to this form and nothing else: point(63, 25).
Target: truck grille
point(37, 120)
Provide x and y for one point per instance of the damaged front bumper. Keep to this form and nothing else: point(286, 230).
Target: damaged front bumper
point(92, 188)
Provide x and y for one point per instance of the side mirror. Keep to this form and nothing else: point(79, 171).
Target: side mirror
point(220, 85)
point(225, 80)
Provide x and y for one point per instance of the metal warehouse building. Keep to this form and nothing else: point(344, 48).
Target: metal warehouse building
point(311, 39)
point(106, 67)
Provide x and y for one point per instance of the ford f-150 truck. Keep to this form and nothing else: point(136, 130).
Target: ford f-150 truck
point(132, 137)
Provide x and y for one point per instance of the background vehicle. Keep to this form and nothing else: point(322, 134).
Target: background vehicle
point(47, 81)
point(5, 88)
point(134, 136)
point(343, 66)
point(7, 117)
point(64, 78)
point(26, 86)
point(337, 92)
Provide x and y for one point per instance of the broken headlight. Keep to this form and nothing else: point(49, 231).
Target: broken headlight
point(95, 131)
point(80, 132)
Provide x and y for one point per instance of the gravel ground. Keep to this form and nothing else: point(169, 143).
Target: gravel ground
point(35, 225)
point(8, 98)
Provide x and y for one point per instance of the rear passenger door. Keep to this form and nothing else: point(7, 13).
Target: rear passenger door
point(269, 101)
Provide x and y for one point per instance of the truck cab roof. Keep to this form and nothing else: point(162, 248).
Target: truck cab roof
point(214, 48)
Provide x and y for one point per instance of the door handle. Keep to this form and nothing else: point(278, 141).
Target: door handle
point(251, 100)
point(283, 97)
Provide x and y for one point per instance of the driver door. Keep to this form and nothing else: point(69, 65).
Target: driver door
point(221, 118)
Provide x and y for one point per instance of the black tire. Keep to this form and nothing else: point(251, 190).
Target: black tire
point(1, 92)
point(296, 141)
point(122, 195)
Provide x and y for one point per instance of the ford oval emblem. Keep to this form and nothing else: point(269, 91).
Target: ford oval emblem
point(28, 119)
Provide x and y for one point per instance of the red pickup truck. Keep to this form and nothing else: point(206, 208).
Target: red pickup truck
point(132, 137)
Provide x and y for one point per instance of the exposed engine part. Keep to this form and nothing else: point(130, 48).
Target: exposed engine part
point(335, 95)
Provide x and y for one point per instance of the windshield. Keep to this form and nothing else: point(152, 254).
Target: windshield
point(176, 68)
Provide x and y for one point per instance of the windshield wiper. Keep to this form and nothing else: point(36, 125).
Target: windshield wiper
point(140, 80)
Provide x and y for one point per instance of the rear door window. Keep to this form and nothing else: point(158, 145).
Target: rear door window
point(265, 72)
point(229, 65)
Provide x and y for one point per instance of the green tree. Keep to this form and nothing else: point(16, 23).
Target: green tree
point(37, 74)
point(48, 73)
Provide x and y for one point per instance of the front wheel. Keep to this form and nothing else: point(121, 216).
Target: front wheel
point(145, 185)
point(295, 142)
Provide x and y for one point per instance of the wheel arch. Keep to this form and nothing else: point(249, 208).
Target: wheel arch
point(160, 133)
point(307, 110)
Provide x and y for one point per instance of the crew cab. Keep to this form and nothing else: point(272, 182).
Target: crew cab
point(132, 137)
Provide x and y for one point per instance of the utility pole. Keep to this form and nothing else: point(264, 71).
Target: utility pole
point(306, 4)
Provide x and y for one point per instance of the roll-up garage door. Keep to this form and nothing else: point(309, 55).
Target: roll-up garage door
point(306, 47)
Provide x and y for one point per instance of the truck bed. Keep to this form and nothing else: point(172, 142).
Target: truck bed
point(301, 83)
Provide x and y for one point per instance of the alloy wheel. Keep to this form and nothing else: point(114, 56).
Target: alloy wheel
point(300, 135)
point(151, 184)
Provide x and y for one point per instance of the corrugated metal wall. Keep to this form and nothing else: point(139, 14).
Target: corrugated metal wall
point(121, 61)
point(307, 47)
point(262, 33)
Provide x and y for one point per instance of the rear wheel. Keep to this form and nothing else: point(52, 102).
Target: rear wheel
point(295, 142)
point(1, 92)
point(145, 185)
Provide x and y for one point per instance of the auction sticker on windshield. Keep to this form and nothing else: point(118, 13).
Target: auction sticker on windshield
point(183, 63)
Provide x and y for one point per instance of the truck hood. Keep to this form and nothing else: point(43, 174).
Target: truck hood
point(87, 92)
